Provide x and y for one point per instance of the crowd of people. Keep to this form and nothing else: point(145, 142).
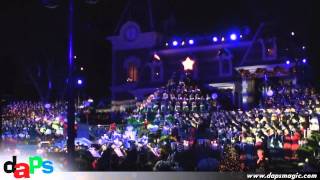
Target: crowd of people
point(33, 121)
point(180, 122)
point(180, 104)
point(179, 127)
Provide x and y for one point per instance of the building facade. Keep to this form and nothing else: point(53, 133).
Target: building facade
point(144, 61)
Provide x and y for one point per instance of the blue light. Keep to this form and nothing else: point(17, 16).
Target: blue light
point(288, 62)
point(79, 82)
point(214, 96)
point(175, 43)
point(233, 37)
point(191, 41)
point(215, 39)
point(304, 60)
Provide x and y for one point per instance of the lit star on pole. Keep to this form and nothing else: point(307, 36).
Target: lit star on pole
point(188, 64)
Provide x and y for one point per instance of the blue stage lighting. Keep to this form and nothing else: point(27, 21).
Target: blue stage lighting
point(233, 37)
point(191, 41)
point(215, 39)
point(79, 82)
point(288, 62)
point(175, 43)
point(304, 60)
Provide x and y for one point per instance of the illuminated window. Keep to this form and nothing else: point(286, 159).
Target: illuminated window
point(131, 67)
point(132, 73)
point(269, 52)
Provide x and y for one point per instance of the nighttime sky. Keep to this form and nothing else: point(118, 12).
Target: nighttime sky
point(33, 35)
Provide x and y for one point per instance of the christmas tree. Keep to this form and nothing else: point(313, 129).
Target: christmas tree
point(231, 161)
point(180, 103)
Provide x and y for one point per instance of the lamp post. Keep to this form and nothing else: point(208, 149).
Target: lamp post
point(70, 90)
point(71, 79)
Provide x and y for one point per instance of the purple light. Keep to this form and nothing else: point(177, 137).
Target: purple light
point(304, 60)
point(50, 85)
point(214, 96)
point(269, 93)
point(79, 82)
point(47, 106)
point(288, 62)
point(175, 43)
point(191, 41)
point(70, 43)
point(215, 39)
point(292, 33)
point(233, 37)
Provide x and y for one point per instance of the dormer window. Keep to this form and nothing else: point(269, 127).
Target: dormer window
point(224, 57)
point(269, 49)
point(156, 71)
point(270, 52)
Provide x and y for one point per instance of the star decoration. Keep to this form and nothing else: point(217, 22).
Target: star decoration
point(188, 64)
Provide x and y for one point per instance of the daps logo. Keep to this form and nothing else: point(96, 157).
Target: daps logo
point(23, 170)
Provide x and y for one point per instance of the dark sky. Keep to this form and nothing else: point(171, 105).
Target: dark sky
point(32, 34)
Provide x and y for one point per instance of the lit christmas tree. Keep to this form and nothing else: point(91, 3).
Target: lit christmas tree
point(231, 161)
point(179, 103)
